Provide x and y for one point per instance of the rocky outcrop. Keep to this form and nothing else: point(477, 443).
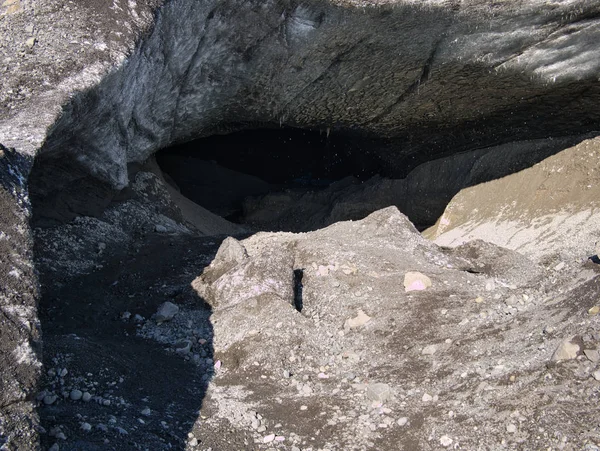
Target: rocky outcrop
point(548, 211)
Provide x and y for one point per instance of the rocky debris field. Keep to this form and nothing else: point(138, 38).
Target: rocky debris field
point(362, 335)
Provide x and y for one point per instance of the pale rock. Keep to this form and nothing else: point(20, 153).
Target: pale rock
point(568, 349)
point(429, 350)
point(231, 252)
point(379, 392)
point(359, 320)
point(445, 441)
point(416, 281)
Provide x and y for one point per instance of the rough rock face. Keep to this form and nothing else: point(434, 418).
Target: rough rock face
point(366, 365)
point(19, 326)
point(548, 211)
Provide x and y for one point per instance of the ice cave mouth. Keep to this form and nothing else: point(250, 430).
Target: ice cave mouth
point(281, 178)
point(222, 172)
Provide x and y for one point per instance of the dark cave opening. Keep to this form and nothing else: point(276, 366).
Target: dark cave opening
point(282, 155)
point(220, 171)
point(298, 180)
point(274, 178)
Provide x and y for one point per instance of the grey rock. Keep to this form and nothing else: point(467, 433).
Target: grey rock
point(159, 228)
point(50, 399)
point(76, 395)
point(379, 392)
point(592, 354)
point(166, 311)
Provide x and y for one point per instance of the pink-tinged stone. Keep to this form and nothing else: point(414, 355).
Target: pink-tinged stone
point(217, 364)
point(415, 281)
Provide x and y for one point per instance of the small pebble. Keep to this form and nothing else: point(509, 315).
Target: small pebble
point(87, 427)
point(402, 421)
point(429, 350)
point(86, 397)
point(76, 395)
point(268, 438)
point(445, 441)
point(511, 428)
